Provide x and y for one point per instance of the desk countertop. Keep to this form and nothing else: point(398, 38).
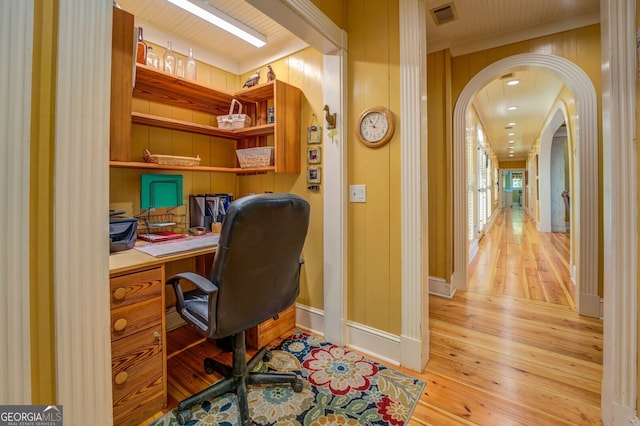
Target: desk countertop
point(133, 259)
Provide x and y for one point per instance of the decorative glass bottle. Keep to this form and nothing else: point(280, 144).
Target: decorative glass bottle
point(169, 60)
point(152, 58)
point(141, 49)
point(180, 67)
point(191, 66)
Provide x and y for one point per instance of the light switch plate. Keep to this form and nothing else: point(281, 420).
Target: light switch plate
point(358, 193)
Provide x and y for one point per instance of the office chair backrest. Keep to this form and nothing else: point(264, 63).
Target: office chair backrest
point(256, 266)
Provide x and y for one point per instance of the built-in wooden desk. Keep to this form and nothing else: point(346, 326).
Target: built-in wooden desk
point(138, 330)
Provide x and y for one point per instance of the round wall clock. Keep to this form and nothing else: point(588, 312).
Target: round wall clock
point(375, 126)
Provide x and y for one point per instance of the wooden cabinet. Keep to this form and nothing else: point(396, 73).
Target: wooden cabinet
point(271, 329)
point(158, 86)
point(138, 354)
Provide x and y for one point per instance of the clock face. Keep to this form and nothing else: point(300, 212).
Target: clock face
point(375, 127)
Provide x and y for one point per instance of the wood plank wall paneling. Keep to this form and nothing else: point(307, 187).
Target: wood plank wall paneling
point(302, 69)
point(638, 191)
point(43, 389)
point(373, 283)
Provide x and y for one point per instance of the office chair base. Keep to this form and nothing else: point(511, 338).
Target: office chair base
point(236, 379)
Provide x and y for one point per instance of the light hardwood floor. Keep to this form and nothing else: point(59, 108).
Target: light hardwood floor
point(514, 259)
point(512, 350)
point(500, 354)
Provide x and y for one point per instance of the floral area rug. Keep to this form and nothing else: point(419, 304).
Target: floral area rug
point(341, 387)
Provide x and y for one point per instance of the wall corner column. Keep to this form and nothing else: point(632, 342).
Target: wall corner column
point(81, 182)
point(414, 341)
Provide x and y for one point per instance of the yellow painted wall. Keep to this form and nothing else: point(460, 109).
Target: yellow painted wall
point(373, 231)
point(43, 389)
point(637, 130)
point(303, 70)
point(440, 159)
point(581, 46)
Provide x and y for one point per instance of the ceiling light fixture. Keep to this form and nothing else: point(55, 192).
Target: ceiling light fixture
point(510, 141)
point(512, 108)
point(513, 123)
point(223, 21)
point(511, 134)
point(513, 82)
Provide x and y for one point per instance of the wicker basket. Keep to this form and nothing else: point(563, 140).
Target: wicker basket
point(255, 157)
point(173, 160)
point(234, 121)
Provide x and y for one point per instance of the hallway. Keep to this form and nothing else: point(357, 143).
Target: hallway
point(515, 259)
point(500, 353)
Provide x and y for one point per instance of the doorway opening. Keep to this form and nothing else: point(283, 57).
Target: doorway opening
point(585, 191)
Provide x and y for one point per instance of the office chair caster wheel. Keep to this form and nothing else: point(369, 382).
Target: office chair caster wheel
point(183, 416)
point(267, 356)
point(209, 366)
point(297, 386)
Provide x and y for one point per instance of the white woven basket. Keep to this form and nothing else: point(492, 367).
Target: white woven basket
point(255, 157)
point(234, 121)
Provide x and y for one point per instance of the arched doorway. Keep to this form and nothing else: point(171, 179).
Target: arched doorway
point(586, 185)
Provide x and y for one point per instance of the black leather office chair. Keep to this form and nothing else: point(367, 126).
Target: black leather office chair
point(255, 275)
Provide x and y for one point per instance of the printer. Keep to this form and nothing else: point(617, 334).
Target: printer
point(123, 231)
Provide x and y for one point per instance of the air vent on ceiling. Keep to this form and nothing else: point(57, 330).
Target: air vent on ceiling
point(443, 14)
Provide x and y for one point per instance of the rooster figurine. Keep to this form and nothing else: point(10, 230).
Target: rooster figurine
point(252, 80)
point(270, 74)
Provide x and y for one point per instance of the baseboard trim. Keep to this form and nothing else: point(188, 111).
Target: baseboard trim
point(364, 339)
point(376, 343)
point(310, 319)
point(440, 287)
point(590, 305)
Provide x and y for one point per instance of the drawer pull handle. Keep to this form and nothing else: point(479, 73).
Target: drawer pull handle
point(120, 324)
point(121, 377)
point(158, 337)
point(120, 293)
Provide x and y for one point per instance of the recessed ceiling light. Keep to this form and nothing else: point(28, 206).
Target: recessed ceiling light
point(510, 141)
point(511, 155)
point(513, 82)
point(513, 123)
point(511, 134)
point(512, 108)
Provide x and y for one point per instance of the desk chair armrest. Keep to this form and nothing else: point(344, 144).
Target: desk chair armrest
point(198, 280)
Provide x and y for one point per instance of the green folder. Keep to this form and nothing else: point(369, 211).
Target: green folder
point(158, 190)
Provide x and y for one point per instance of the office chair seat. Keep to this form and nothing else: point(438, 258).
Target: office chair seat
point(255, 276)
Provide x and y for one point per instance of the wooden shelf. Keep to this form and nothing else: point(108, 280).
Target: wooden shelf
point(157, 86)
point(153, 166)
point(169, 89)
point(203, 129)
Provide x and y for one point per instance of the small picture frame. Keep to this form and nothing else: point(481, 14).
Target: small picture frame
point(313, 174)
point(313, 155)
point(314, 134)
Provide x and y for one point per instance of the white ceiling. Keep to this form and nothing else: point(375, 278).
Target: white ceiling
point(480, 24)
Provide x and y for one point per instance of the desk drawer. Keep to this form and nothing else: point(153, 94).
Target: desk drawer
point(136, 287)
point(137, 376)
point(131, 319)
